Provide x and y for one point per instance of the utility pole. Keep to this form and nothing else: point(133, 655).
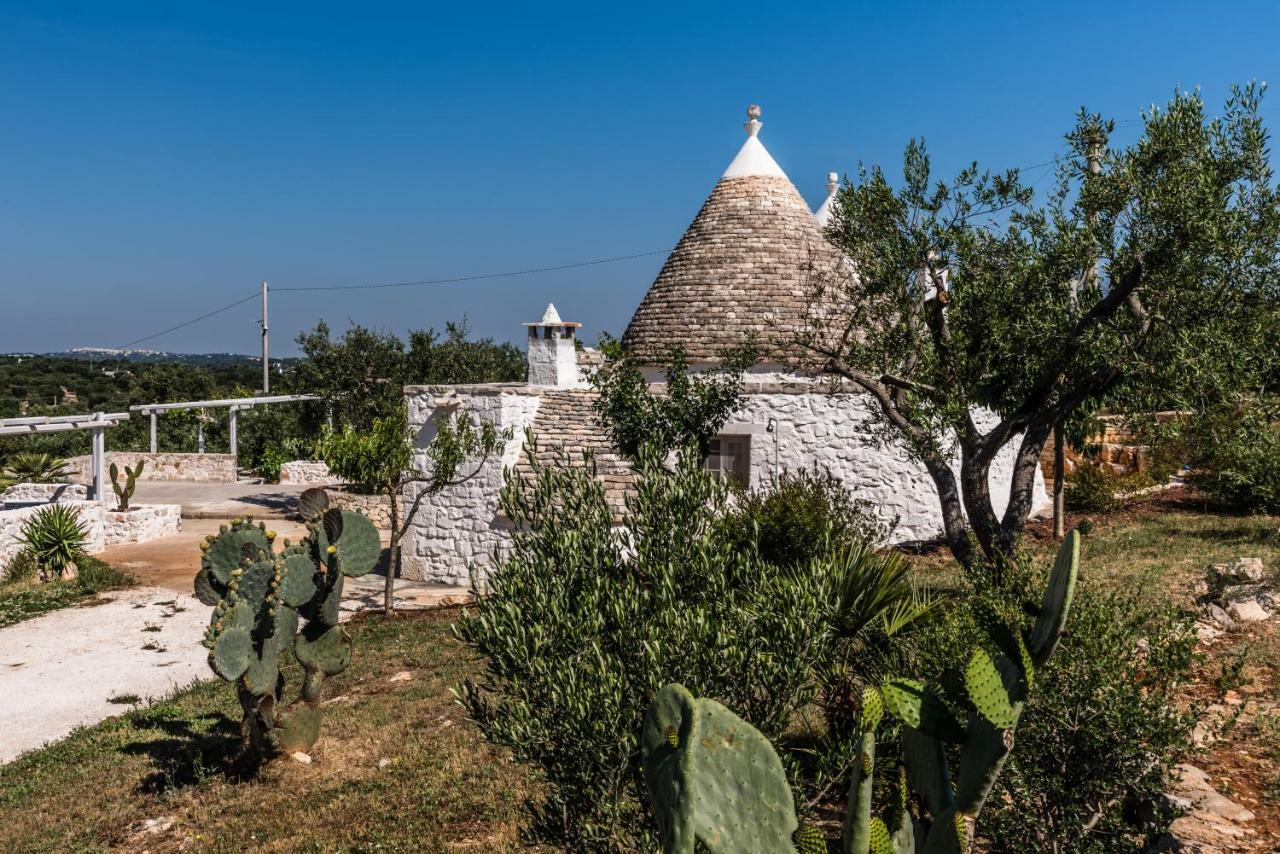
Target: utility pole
point(266, 366)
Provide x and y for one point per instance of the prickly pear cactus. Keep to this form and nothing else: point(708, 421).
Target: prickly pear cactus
point(713, 779)
point(268, 604)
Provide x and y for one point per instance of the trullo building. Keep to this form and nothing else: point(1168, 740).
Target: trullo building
point(741, 270)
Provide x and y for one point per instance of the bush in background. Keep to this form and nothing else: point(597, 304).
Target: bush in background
point(34, 468)
point(1103, 726)
point(1237, 461)
point(584, 622)
point(803, 516)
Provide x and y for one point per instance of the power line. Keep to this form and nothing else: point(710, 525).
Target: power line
point(474, 278)
point(453, 280)
point(189, 322)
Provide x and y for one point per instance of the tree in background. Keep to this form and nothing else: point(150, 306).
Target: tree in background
point(688, 413)
point(1155, 273)
point(380, 460)
point(362, 374)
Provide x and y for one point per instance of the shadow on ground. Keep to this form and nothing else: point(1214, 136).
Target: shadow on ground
point(186, 756)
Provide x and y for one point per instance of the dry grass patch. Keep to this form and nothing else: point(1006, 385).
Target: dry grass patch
point(397, 768)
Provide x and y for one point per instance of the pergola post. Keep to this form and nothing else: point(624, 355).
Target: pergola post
point(99, 452)
point(154, 445)
point(231, 435)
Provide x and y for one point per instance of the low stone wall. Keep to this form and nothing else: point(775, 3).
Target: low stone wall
point(376, 507)
point(305, 471)
point(140, 524)
point(44, 492)
point(200, 468)
point(105, 527)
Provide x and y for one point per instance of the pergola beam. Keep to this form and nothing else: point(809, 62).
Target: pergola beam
point(229, 403)
point(97, 423)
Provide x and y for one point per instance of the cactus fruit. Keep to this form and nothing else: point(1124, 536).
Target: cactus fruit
point(715, 781)
point(260, 597)
point(722, 786)
point(124, 493)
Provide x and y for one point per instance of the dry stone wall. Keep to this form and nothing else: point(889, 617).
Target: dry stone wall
point(200, 468)
point(305, 471)
point(460, 527)
point(104, 525)
point(376, 507)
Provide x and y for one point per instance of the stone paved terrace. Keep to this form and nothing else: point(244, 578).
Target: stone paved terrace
point(222, 500)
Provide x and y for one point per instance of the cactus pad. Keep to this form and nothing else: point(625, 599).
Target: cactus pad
point(918, 706)
point(881, 843)
point(809, 840)
point(312, 502)
point(872, 709)
point(356, 539)
point(298, 580)
point(325, 649)
point(988, 692)
point(227, 549)
point(722, 786)
point(1057, 600)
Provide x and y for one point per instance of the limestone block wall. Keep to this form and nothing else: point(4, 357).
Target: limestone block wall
point(834, 431)
point(141, 523)
point(201, 468)
point(459, 527)
point(305, 471)
point(376, 507)
point(45, 492)
point(104, 525)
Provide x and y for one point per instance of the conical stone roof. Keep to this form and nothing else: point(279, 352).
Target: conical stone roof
point(744, 267)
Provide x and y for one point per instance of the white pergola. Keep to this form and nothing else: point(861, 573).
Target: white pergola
point(97, 423)
point(233, 405)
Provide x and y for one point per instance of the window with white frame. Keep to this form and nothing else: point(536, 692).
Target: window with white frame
point(730, 459)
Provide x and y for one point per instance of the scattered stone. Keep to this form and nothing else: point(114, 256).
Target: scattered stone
point(1206, 632)
point(1214, 822)
point(1247, 569)
point(402, 676)
point(1248, 611)
point(304, 758)
point(155, 825)
point(383, 763)
point(1219, 616)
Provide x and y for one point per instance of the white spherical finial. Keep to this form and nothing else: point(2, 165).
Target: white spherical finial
point(753, 124)
point(753, 111)
point(833, 182)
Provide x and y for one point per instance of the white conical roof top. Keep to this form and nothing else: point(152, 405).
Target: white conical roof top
point(550, 316)
point(823, 213)
point(753, 158)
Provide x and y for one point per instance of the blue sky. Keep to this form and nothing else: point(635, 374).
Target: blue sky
point(160, 160)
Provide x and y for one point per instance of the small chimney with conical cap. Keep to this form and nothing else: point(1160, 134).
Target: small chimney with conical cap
point(553, 352)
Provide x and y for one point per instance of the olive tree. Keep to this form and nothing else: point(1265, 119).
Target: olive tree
point(1152, 273)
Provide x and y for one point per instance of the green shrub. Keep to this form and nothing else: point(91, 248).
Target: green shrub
point(803, 516)
point(23, 567)
point(584, 622)
point(35, 468)
point(55, 536)
point(1091, 489)
point(1238, 460)
point(1102, 728)
point(369, 459)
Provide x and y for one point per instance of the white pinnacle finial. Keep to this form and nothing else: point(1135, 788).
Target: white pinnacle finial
point(753, 124)
point(551, 317)
point(833, 183)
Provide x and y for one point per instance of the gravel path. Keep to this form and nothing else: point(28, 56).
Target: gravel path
point(60, 671)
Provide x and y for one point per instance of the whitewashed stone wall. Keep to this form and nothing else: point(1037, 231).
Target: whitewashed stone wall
point(142, 523)
point(105, 527)
point(460, 527)
point(305, 471)
point(200, 468)
point(44, 492)
point(834, 432)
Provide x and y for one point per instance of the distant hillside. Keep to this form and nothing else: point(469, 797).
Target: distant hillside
point(158, 357)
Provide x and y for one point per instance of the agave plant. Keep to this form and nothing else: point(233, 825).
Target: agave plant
point(35, 468)
point(55, 537)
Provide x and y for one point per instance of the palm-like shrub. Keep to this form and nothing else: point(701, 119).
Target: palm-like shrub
point(871, 610)
point(35, 468)
point(55, 536)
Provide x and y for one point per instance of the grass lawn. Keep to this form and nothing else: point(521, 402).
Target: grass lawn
point(398, 767)
point(22, 600)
